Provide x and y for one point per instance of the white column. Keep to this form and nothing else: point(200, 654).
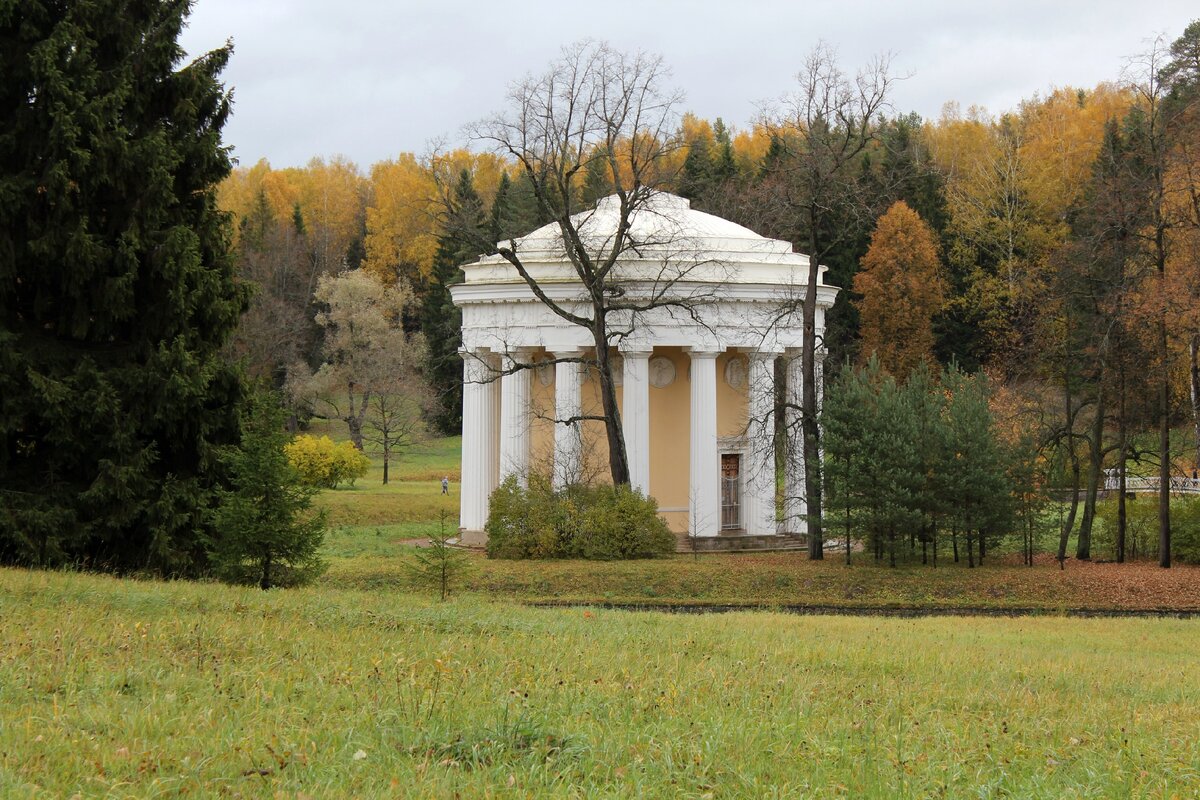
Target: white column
point(635, 416)
point(760, 433)
point(514, 418)
point(704, 486)
point(795, 505)
point(477, 442)
point(568, 442)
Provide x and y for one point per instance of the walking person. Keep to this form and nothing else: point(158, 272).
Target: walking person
point(446, 484)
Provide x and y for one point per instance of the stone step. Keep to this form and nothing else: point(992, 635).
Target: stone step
point(739, 543)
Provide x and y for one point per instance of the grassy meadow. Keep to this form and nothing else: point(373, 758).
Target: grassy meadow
point(361, 686)
point(112, 688)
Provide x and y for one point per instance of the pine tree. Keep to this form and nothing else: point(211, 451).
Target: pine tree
point(116, 287)
point(849, 404)
point(975, 469)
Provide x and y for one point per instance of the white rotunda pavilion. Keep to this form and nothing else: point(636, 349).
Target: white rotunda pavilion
point(697, 375)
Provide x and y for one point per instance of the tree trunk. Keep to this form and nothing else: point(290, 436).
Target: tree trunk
point(847, 532)
point(891, 548)
point(954, 541)
point(982, 547)
point(618, 457)
point(1164, 472)
point(970, 551)
point(808, 415)
point(1083, 546)
point(1122, 460)
point(934, 537)
point(1164, 424)
point(1194, 371)
point(264, 582)
point(387, 457)
point(355, 416)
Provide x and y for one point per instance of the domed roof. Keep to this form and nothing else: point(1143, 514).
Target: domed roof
point(664, 228)
point(664, 220)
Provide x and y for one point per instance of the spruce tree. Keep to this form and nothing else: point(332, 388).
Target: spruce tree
point(117, 289)
point(441, 320)
point(268, 534)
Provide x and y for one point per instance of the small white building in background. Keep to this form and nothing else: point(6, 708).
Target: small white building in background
point(697, 380)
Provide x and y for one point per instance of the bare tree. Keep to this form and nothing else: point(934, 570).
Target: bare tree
point(822, 131)
point(596, 111)
point(276, 330)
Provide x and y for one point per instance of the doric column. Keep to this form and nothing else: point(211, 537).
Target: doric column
point(760, 433)
point(479, 436)
point(635, 416)
point(704, 486)
point(568, 442)
point(794, 492)
point(514, 418)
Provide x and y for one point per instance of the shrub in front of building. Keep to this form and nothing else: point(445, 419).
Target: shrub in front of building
point(593, 522)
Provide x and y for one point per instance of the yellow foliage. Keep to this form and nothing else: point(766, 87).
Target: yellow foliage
point(750, 147)
point(401, 220)
point(901, 291)
point(322, 462)
point(332, 199)
point(238, 193)
point(1062, 136)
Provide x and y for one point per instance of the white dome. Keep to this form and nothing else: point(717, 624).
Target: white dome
point(665, 228)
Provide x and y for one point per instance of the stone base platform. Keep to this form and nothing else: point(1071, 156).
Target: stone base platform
point(738, 542)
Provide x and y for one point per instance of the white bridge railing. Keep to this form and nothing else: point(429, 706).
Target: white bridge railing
point(1178, 485)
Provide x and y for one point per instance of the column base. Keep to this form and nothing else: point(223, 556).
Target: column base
point(472, 538)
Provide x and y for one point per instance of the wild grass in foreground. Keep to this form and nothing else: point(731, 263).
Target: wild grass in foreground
point(138, 689)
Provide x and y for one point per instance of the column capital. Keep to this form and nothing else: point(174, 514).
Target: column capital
point(703, 352)
point(761, 352)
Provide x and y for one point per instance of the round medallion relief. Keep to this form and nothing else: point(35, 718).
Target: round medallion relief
point(545, 373)
point(736, 372)
point(662, 371)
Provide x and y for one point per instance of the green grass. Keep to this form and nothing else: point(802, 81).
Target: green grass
point(142, 689)
point(413, 492)
point(359, 687)
point(372, 522)
point(369, 560)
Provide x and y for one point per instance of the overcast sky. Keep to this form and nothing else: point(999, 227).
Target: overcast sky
point(369, 78)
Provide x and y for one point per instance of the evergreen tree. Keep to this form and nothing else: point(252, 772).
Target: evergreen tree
point(975, 468)
point(116, 287)
point(697, 176)
point(514, 211)
point(441, 320)
point(890, 447)
point(724, 168)
point(845, 414)
point(268, 535)
point(597, 182)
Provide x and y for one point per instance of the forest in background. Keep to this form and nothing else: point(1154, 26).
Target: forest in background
point(1059, 254)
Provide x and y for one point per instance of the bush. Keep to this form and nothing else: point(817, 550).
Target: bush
point(594, 522)
point(321, 462)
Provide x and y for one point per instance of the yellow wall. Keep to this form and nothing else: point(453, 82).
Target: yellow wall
point(670, 419)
